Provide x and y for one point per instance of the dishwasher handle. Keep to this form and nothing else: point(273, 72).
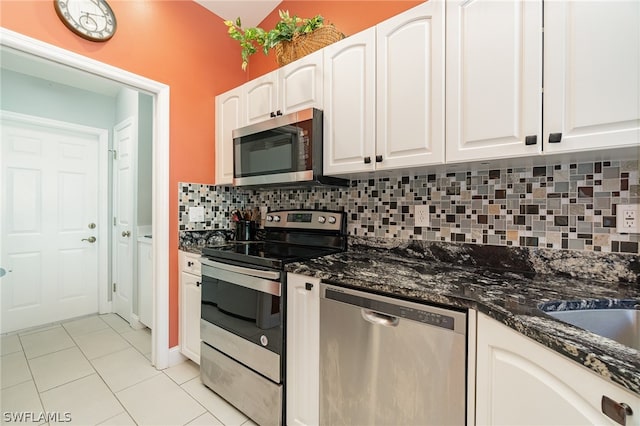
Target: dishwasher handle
point(384, 310)
point(376, 318)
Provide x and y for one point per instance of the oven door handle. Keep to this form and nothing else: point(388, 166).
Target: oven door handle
point(254, 283)
point(270, 275)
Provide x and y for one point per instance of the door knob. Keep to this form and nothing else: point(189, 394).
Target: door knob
point(126, 233)
point(90, 239)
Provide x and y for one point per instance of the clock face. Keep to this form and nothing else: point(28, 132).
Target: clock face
point(90, 19)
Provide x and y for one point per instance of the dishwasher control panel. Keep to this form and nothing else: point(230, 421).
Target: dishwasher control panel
point(425, 315)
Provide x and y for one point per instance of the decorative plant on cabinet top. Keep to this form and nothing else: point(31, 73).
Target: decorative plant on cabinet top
point(292, 37)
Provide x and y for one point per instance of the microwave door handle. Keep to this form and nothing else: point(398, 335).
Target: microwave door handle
point(270, 275)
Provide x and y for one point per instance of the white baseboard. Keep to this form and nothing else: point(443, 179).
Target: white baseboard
point(175, 356)
point(135, 322)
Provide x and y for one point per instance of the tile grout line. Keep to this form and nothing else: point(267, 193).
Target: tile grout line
point(74, 340)
point(33, 379)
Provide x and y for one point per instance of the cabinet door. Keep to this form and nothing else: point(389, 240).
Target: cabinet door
point(551, 389)
point(591, 69)
point(190, 315)
point(228, 118)
point(410, 88)
point(300, 84)
point(303, 347)
point(189, 262)
point(494, 79)
point(349, 104)
point(261, 98)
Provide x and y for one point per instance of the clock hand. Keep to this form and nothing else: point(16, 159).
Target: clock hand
point(94, 14)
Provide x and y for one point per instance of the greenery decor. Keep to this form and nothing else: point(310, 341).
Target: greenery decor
point(287, 29)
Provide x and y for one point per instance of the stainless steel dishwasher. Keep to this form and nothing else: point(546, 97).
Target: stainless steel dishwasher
point(385, 361)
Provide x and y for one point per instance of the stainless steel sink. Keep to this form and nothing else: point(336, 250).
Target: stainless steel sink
point(621, 325)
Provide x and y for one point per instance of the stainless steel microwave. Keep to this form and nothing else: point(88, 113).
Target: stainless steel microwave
point(285, 151)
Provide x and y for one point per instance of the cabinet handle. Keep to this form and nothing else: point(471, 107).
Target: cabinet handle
point(198, 283)
point(308, 286)
point(555, 137)
point(617, 412)
point(378, 158)
point(531, 140)
point(272, 114)
point(278, 112)
point(189, 263)
point(367, 160)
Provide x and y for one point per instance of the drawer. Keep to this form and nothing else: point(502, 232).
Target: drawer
point(190, 263)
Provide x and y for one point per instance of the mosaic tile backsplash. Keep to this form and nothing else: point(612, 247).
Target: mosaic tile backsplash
point(562, 206)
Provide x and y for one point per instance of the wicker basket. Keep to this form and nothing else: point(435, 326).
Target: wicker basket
point(302, 45)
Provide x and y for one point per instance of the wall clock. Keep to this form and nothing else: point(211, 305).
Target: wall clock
point(90, 19)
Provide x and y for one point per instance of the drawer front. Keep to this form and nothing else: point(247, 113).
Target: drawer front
point(190, 263)
point(251, 393)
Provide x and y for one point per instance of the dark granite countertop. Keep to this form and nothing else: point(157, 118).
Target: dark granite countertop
point(509, 297)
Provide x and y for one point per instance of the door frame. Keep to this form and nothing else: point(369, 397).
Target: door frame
point(160, 351)
point(102, 136)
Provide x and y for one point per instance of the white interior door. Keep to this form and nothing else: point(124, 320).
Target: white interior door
point(51, 235)
point(124, 141)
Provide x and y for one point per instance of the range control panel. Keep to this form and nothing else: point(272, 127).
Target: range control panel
point(305, 219)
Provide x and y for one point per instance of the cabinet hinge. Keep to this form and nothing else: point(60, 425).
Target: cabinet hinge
point(115, 153)
point(114, 221)
point(114, 287)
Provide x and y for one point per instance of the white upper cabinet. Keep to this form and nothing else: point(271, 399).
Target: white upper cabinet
point(410, 88)
point(301, 84)
point(350, 99)
point(591, 75)
point(261, 98)
point(384, 95)
point(229, 113)
point(494, 79)
point(291, 88)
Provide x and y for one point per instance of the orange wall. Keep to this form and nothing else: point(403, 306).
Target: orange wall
point(182, 45)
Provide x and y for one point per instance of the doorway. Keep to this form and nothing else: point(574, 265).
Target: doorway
point(55, 221)
point(81, 68)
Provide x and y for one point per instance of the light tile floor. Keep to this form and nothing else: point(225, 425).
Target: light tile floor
point(98, 370)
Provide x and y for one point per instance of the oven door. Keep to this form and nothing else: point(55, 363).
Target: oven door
point(243, 301)
point(280, 150)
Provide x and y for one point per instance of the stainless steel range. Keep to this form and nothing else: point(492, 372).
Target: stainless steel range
point(243, 308)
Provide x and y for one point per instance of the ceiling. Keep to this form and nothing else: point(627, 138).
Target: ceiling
point(251, 12)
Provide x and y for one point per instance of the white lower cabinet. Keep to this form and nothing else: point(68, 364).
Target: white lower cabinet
point(303, 348)
point(521, 382)
point(189, 283)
